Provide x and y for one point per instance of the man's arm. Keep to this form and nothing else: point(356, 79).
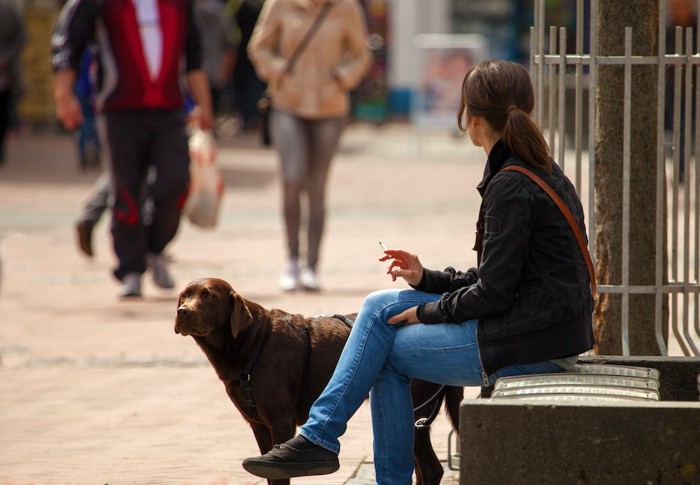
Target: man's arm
point(198, 85)
point(74, 29)
point(196, 77)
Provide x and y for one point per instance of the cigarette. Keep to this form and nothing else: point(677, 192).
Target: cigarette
point(382, 245)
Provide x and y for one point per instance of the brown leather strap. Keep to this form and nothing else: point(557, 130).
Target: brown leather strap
point(569, 217)
point(307, 38)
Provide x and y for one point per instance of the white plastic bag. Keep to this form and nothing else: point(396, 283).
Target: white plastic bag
point(206, 183)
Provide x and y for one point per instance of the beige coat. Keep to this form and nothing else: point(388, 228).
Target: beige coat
point(333, 62)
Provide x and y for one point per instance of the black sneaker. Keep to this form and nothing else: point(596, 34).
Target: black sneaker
point(297, 457)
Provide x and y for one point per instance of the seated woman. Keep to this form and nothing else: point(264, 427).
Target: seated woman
point(527, 308)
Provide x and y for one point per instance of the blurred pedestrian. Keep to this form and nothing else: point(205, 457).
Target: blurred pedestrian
point(12, 37)
point(311, 53)
point(89, 151)
point(219, 49)
point(142, 44)
point(247, 86)
point(526, 309)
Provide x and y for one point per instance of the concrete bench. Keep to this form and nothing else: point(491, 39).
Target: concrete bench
point(597, 428)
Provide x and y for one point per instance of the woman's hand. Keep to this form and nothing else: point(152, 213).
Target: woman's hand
point(403, 264)
point(406, 317)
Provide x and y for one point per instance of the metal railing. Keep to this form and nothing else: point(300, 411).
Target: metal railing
point(555, 73)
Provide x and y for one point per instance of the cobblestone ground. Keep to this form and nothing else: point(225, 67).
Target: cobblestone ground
point(94, 390)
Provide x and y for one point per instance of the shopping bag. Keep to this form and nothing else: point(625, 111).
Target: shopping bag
point(206, 184)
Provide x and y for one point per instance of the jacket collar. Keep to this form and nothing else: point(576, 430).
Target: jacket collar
point(497, 159)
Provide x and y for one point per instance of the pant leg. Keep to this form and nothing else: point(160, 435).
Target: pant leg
point(5, 115)
point(128, 139)
point(325, 135)
point(359, 365)
point(291, 141)
point(99, 199)
point(167, 191)
point(445, 353)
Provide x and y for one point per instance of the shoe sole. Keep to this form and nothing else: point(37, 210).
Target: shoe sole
point(284, 470)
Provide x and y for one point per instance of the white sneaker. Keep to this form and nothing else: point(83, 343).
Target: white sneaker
point(309, 280)
point(289, 279)
point(131, 286)
point(161, 275)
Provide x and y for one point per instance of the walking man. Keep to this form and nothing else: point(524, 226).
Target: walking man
point(144, 46)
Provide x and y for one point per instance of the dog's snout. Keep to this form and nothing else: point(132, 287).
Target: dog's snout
point(183, 311)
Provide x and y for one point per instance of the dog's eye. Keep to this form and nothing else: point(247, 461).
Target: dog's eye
point(206, 294)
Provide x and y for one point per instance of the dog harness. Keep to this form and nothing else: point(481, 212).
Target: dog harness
point(248, 369)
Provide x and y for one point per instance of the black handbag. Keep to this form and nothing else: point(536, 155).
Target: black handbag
point(265, 102)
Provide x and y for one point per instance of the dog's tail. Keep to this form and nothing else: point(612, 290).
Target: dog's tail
point(453, 398)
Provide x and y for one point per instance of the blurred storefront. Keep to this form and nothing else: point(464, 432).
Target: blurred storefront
point(394, 25)
point(395, 76)
point(36, 103)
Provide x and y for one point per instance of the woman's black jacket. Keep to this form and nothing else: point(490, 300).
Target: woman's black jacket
point(531, 292)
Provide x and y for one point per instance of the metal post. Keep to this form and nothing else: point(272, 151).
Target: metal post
point(659, 269)
point(627, 128)
point(561, 125)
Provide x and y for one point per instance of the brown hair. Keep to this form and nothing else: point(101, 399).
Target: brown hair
point(501, 93)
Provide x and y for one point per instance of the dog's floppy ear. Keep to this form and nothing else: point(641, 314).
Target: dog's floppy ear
point(240, 314)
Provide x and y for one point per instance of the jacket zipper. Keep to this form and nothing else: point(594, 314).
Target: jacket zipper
point(484, 375)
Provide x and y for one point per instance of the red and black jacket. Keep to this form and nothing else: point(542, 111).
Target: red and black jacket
point(113, 25)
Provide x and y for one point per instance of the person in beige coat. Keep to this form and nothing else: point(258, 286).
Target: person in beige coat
point(309, 84)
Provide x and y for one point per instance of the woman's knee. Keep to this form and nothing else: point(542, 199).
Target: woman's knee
point(378, 300)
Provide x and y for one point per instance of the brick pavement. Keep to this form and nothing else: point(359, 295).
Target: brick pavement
point(94, 390)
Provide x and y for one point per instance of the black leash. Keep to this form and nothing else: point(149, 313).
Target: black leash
point(437, 398)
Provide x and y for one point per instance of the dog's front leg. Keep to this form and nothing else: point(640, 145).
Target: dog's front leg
point(264, 438)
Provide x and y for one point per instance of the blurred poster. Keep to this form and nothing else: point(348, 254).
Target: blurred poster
point(442, 61)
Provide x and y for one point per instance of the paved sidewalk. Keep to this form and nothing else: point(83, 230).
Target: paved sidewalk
point(94, 390)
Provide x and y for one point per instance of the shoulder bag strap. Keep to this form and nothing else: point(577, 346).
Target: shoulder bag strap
point(310, 33)
point(567, 214)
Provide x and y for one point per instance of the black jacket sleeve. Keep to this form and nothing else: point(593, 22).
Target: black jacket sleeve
point(194, 52)
point(447, 280)
point(508, 209)
point(74, 29)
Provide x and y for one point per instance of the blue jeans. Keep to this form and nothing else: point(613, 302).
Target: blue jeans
point(380, 360)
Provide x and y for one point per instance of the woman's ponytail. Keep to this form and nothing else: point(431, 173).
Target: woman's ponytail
point(524, 138)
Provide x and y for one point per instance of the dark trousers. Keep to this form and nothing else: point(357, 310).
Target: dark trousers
point(5, 118)
point(139, 140)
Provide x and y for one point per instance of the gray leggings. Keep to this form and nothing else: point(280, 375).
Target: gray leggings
point(305, 148)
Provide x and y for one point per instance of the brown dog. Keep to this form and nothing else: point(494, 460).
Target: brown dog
point(275, 364)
